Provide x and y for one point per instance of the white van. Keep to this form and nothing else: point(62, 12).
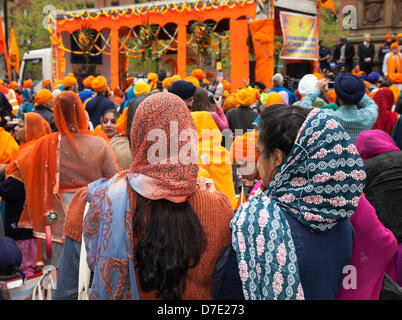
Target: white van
point(36, 65)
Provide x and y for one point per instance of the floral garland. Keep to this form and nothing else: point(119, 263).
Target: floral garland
point(158, 8)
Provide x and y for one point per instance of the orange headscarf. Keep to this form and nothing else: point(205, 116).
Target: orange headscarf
point(35, 127)
point(42, 170)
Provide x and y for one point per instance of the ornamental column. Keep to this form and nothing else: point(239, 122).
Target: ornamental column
point(239, 62)
point(181, 49)
point(114, 52)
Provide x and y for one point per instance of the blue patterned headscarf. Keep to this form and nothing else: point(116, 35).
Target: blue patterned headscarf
point(319, 184)
point(108, 236)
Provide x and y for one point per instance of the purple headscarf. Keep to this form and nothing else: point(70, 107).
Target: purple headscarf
point(285, 97)
point(372, 142)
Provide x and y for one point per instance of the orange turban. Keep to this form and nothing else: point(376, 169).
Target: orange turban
point(395, 90)
point(206, 81)
point(229, 103)
point(246, 97)
point(166, 82)
point(372, 94)
point(331, 96)
point(193, 80)
point(198, 73)
point(175, 78)
point(394, 45)
point(368, 84)
point(387, 36)
point(99, 84)
point(243, 148)
point(28, 83)
point(46, 83)
point(141, 88)
point(152, 80)
point(318, 75)
point(273, 98)
point(12, 85)
point(88, 82)
point(226, 94)
point(226, 85)
point(69, 81)
point(43, 97)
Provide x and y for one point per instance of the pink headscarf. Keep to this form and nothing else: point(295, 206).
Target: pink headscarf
point(372, 142)
point(384, 98)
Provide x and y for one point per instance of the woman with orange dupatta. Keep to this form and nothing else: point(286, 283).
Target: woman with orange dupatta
point(60, 164)
point(31, 126)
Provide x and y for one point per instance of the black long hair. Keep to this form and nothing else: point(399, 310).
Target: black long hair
point(172, 240)
point(279, 127)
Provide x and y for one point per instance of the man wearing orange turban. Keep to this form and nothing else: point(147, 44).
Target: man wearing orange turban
point(384, 50)
point(152, 81)
point(230, 103)
point(141, 88)
point(198, 73)
point(100, 103)
point(392, 66)
point(47, 84)
point(195, 81)
point(241, 118)
point(44, 106)
point(70, 84)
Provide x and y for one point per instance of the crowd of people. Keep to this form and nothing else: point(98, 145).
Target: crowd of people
point(182, 188)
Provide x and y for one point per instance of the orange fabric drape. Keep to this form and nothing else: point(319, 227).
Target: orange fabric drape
point(214, 158)
point(263, 35)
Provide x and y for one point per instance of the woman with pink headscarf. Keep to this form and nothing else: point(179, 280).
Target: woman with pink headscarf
point(375, 245)
point(383, 165)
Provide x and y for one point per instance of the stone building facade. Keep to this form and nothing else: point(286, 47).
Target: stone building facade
point(376, 17)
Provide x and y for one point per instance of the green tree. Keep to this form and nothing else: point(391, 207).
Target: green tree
point(330, 30)
point(29, 21)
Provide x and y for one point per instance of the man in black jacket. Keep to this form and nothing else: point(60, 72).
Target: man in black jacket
point(366, 54)
point(5, 110)
point(44, 107)
point(344, 53)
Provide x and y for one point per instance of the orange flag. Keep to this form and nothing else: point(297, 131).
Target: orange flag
point(242, 198)
point(329, 4)
point(14, 54)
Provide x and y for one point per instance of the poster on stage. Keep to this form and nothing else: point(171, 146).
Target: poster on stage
point(300, 36)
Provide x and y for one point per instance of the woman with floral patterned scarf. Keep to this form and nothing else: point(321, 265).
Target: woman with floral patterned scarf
point(293, 240)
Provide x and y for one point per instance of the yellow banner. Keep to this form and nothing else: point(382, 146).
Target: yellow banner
point(300, 36)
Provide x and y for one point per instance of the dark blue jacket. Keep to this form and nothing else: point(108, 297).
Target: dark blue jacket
point(321, 258)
